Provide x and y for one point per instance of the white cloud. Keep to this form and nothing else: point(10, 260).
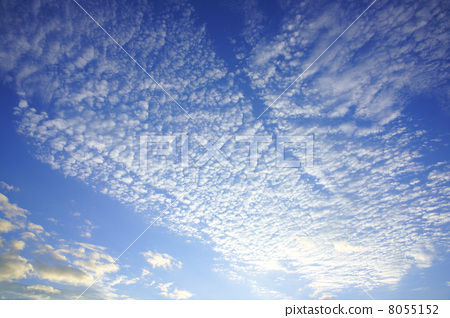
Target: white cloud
point(345, 247)
point(161, 260)
point(326, 296)
point(54, 221)
point(97, 268)
point(28, 236)
point(422, 256)
point(44, 289)
point(13, 266)
point(36, 228)
point(69, 263)
point(49, 251)
point(17, 245)
point(145, 272)
point(63, 274)
point(180, 294)
point(87, 228)
point(12, 212)
point(8, 187)
point(175, 293)
point(6, 226)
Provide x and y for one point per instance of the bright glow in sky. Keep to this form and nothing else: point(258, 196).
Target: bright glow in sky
point(365, 213)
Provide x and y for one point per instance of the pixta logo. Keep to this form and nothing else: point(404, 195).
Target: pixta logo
point(151, 146)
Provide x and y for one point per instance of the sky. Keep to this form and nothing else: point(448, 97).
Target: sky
point(224, 149)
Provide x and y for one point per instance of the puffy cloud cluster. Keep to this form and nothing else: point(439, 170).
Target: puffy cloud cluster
point(161, 260)
point(169, 292)
point(29, 252)
point(63, 267)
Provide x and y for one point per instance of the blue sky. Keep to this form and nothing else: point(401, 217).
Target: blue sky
point(369, 219)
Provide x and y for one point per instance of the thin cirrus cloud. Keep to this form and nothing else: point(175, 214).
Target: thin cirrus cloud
point(8, 187)
point(367, 210)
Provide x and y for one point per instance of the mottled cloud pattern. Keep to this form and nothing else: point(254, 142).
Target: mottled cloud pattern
point(369, 210)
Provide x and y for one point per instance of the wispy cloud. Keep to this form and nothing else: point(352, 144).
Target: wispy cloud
point(8, 187)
